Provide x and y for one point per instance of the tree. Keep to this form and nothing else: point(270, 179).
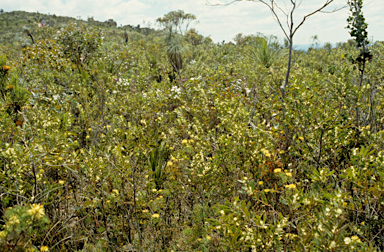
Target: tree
point(173, 24)
point(177, 19)
point(290, 29)
point(358, 29)
point(80, 43)
point(175, 49)
point(193, 37)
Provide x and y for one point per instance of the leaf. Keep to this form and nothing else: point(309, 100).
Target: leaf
point(101, 229)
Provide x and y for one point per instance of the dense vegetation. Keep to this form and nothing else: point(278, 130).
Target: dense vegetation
point(117, 140)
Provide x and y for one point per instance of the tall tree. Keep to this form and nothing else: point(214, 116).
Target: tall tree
point(175, 24)
point(179, 20)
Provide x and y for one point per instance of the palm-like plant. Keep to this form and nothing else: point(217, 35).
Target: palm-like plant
point(265, 52)
point(175, 47)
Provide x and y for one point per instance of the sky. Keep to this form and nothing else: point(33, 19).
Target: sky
point(219, 22)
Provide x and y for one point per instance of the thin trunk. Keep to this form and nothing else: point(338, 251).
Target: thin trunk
point(360, 83)
point(33, 41)
point(284, 87)
point(283, 92)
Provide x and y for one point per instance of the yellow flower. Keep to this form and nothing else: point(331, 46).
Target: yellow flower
point(301, 138)
point(13, 220)
point(355, 238)
point(291, 186)
point(36, 210)
point(290, 236)
point(145, 211)
point(208, 237)
point(261, 183)
point(61, 182)
point(277, 170)
point(281, 152)
point(265, 152)
point(267, 190)
point(115, 191)
point(44, 248)
point(6, 68)
point(289, 174)
point(169, 163)
point(155, 215)
point(185, 141)
point(3, 234)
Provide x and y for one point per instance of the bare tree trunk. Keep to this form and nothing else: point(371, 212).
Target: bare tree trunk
point(284, 86)
point(360, 84)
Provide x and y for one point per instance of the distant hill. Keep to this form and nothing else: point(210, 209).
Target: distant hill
point(13, 25)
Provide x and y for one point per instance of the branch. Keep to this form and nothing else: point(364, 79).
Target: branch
point(328, 2)
point(226, 4)
point(271, 7)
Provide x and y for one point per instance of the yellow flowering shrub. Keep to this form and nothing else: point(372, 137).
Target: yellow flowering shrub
point(120, 153)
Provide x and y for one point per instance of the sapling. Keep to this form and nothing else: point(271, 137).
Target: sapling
point(358, 30)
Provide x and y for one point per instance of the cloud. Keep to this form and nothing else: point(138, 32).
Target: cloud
point(221, 22)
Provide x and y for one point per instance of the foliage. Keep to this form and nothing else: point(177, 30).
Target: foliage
point(176, 19)
point(114, 156)
point(79, 44)
point(358, 27)
point(24, 227)
point(264, 51)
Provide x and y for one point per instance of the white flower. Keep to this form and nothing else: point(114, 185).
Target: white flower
point(123, 82)
point(176, 91)
point(347, 240)
point(333, 244)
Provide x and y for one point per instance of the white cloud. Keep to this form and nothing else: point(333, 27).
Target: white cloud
point(221, 22)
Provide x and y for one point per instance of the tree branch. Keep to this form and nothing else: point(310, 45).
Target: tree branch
point(328, 2)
